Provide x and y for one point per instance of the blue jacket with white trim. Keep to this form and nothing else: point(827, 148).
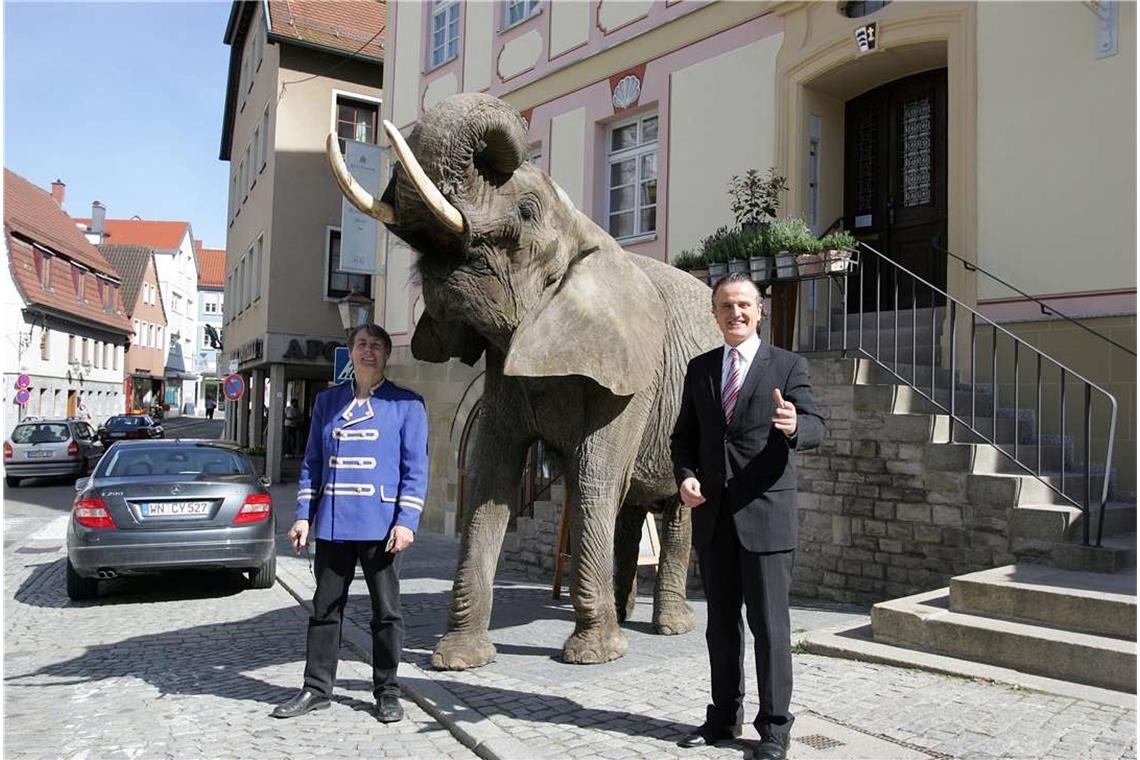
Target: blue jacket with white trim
point(366, 463)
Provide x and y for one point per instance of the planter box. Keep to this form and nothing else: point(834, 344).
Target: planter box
point(762, 268)
point(785, 266)
point(700, 274)
point(827, 262)
point(738, 266)
point(716, 271)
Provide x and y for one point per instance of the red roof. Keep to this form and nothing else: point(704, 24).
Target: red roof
point(211, 268)
point(164, 236)
point(30, 214)
point(345, 25)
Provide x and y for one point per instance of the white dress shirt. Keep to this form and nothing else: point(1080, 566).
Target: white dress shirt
point(747, 351)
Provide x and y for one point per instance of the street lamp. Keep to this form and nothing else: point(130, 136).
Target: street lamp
point(355, 310)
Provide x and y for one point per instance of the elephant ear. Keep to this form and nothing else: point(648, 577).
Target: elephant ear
point(439, 341)
point(604, 321)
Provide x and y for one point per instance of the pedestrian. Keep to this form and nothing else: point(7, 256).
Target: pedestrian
point(292, 427)
point(211, 405)
point(363, 481)
point(746, 409)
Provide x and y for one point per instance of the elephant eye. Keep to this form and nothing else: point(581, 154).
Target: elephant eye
point(528, 209)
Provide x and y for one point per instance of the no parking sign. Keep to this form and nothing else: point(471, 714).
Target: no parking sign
point(234, 387)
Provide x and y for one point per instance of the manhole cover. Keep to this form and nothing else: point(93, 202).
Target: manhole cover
point(819, 741)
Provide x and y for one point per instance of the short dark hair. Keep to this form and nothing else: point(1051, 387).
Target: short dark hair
point(731, 279)
point(375, 331)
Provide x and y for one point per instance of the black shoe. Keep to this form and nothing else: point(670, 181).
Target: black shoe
point(708, 736)
point(389, 709)
point(304, 701)
point(772, 747)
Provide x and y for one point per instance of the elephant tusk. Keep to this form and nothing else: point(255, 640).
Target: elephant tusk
point(443, 210)
point(352, 190)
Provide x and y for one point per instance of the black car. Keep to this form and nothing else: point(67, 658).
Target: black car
point(162, 505)
point(129, 427)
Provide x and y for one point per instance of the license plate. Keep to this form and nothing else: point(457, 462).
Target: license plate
point(39, 455)
point(117, 435)
point(174, 508)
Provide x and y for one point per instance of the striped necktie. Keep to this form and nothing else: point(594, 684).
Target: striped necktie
point(732, 385)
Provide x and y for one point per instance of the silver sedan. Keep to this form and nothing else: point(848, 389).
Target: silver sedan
point(170, 504)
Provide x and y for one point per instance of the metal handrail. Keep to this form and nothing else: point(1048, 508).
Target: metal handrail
point(875, 354)
point(1045, 308)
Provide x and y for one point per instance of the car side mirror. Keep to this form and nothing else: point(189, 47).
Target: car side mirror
point(81, 484)
point(264, 480)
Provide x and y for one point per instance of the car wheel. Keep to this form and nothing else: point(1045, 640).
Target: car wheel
point(264, 575)
point(78, 587)
point(12, 481)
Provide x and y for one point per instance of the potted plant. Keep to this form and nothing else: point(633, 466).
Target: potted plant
point(837, 249)
point(692, 262)
point(761, 265)
point(785, 239)
point(718, 249)
point(756, 200)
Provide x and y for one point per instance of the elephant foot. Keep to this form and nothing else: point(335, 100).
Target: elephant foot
point(462, 651)
point(594, 645)
point(673, 619)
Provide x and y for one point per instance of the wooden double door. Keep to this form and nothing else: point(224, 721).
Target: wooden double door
point(895, 188)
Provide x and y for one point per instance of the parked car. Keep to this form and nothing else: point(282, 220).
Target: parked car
point(126, 427)
point(50, 447)
point(152, 506)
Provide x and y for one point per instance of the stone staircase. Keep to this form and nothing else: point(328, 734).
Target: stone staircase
point(1061, 610)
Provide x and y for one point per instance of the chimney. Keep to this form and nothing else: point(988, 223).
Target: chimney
point(98, 215)
point(58, 191)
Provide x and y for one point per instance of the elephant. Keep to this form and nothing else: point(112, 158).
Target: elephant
point(586, 348)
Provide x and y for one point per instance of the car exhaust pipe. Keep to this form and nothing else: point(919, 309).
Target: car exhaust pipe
point(105, 574)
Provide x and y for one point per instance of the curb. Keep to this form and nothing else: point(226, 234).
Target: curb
point(470, 727)
point(853, 643)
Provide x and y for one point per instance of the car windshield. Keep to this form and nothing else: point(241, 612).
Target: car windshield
point(128, 462)
point(126, 422)
point(40, 433)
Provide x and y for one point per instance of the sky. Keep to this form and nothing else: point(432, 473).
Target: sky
point(123, 102)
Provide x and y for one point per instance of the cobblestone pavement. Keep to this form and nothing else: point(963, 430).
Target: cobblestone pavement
point(178, 666)
point(640, 705)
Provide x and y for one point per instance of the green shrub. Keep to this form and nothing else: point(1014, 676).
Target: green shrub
point(756, 200)
point(689, 260)
point(838, 240)
point(722, 246)
point(791, 236)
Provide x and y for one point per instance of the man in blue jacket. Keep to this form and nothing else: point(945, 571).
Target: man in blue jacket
point(361, 493)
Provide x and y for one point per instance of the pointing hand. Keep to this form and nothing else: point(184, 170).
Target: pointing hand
point(785, 417)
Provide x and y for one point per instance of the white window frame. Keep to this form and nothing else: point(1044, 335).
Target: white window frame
point(334, 104)
point(264, 139)
point(45, 344)
point(530, 9)
point(443, 8)
point(636, 153)
point(72, 350)
point(329, 230)
point(258, 253)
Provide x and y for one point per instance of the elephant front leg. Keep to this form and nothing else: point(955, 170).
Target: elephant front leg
point(596, 636)
point(467, 643)
point(671, 613)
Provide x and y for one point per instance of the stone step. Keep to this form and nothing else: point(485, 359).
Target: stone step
point(922, 341)
point(1116, 553)
point(984, 458)
point(925, 622)
point(996, 489)
point(905, 399)
point(921, 315)
point(1006, 429)
point(1032, 524)
point(1102, 604)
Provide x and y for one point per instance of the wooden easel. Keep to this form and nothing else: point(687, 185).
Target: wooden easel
point(561, 556)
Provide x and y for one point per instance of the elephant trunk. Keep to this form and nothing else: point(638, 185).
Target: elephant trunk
point(463, 142)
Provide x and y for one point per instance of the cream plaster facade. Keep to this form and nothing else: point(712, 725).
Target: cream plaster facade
point(1040, 135)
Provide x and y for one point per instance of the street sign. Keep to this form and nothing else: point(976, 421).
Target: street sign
point(234, 387)
point(23, 381)
point(342, 366)
point(22, 396)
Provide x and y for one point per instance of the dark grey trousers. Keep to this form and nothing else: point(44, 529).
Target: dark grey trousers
point(731, 576)
point(335, 567)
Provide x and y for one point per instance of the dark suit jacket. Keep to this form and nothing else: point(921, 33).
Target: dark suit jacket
point(747, 467)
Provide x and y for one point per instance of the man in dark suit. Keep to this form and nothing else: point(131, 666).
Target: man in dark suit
point(746, 408)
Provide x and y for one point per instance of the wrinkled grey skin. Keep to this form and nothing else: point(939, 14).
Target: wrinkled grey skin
point(586, 348)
